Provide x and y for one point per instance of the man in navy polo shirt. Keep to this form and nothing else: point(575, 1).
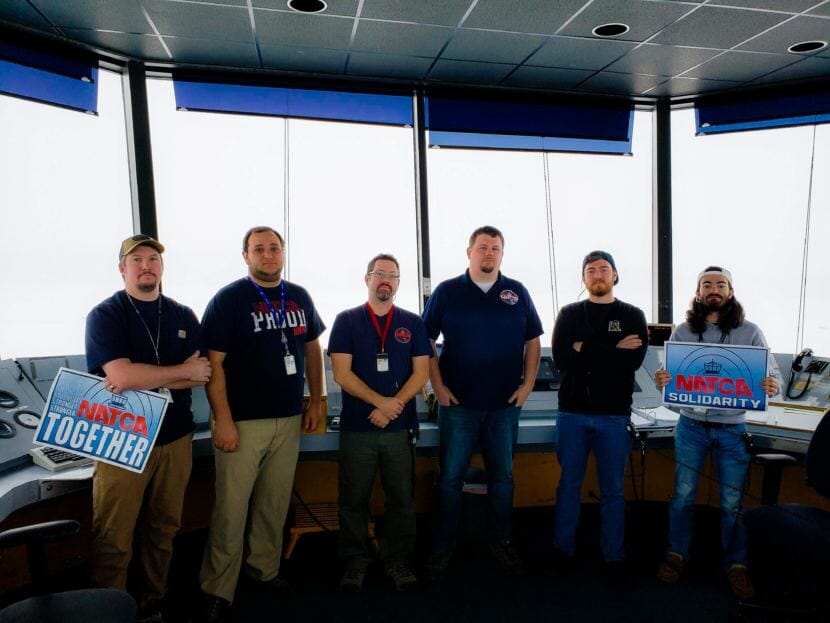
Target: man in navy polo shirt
point(380, 358)
point(140, 339)
point(485, 373)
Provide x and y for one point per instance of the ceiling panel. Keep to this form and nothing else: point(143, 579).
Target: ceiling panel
point(294, 58)
point(402, 67)
point(404, 39)
point(212, 52)
point(202, 21)
point(609, 82)
point(661, 60)
point(811, 67)
point(438, 12)
point(716, 27)
point(738, 66)
point(144, 46)
point(469, 72)
point(689, 86)
point(790, 6)
point(493, 47)
point(824, 9)
point(121, 15)
point(643, 18)
point(278, 28)
point(533, 16)
point(547, 78)
point(796, 30)
point(571, 53)
point(347, 8)
point(21, 12)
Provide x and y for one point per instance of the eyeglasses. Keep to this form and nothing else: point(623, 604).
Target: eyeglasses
point(382, 274)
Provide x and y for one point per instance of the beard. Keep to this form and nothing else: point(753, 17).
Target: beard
point(262, 275)
point(715, 304)
point(599, 288)
point(383, 295)
point(488, 268)
point(147, 287)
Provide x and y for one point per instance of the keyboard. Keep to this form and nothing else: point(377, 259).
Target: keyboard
point(56, 460)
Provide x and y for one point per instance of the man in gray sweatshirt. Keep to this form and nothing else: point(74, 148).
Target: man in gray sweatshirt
point(715, 317)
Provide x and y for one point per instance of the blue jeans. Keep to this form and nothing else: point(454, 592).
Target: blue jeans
point(576, 435)
point(461, 430)
point(692, 442)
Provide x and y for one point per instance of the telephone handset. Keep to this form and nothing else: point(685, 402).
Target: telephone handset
point(804, 362)
point(799, 363)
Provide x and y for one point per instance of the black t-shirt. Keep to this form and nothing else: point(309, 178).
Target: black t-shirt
point(240, 324)
point(599, 379)
point(114, 331)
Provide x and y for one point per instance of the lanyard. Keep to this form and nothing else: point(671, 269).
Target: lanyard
point(381, 334)
point(157, 341)
point(279, 318)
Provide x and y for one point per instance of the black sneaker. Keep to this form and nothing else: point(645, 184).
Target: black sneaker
point(150, 612)
point(508, 558)
point(435, 568)
point(277, 584)
point(402, 576)
point(352, 580)
point(215, 609)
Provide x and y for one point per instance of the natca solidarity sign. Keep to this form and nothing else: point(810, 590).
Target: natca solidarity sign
point(716, 376)
point(81, 416)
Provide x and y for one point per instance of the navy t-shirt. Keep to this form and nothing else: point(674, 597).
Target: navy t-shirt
point(354, 333)
point(482, 360)
point(114, 331)
point(240, 324)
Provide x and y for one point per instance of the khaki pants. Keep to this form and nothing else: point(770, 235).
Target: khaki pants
point(254, 480)
point(117, 498)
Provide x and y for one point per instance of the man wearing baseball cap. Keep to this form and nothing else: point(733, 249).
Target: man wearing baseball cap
point(598, 344)
point(141, 340)
point(715, 317)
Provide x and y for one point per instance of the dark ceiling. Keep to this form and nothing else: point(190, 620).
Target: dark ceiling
point(672, 48)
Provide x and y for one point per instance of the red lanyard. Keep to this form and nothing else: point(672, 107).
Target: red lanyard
point(381, 334)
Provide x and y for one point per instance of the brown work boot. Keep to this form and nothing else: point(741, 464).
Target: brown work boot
point(671, 568)
point(739, 582)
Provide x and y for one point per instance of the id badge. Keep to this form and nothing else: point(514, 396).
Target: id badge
point(165, 391)
point(383, 362)
point(290, 365)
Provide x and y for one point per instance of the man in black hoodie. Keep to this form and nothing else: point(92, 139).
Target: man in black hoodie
point(598, 344)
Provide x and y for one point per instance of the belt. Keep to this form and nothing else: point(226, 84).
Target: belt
point(708, 424)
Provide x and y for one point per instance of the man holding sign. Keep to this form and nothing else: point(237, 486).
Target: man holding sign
point(141, 340)
point(715, 317)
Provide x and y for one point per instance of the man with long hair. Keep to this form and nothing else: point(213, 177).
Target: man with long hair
point(715, 317)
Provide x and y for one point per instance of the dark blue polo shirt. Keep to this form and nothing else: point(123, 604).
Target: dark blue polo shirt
point(238, 322)
point(114, 331)
point(354, 333)
point(482, 360)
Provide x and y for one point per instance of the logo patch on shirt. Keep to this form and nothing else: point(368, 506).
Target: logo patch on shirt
point(403, 335)
point(614, 326)
point(509, 297)
point(182, 334)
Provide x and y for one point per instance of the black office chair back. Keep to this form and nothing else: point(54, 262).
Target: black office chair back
point(817, 462)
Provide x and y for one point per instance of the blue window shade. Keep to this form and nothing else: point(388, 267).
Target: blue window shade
point(767, 112)
point(49, 87)
point(289, 102)
point(529, 126)
point(63, 64)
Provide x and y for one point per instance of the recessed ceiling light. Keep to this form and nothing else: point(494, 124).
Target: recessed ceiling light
point(806, 46)
point(610, 30)
point(307, 6)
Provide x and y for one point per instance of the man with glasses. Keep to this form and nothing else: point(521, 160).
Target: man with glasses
point(380, 358)
point(598, 344)
point(483, 376)
point(141, 340)
point(262, 335)
point(715, 317)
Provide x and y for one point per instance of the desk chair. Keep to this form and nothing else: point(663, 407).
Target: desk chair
point(101, 605)
point(790, 543)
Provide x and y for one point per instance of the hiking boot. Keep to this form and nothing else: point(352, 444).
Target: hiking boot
point(671, 568)
point(352, 580)
point(739, 582)
point(215, 609)
point(402, 576)
point(508, 558)
point(435, 568)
